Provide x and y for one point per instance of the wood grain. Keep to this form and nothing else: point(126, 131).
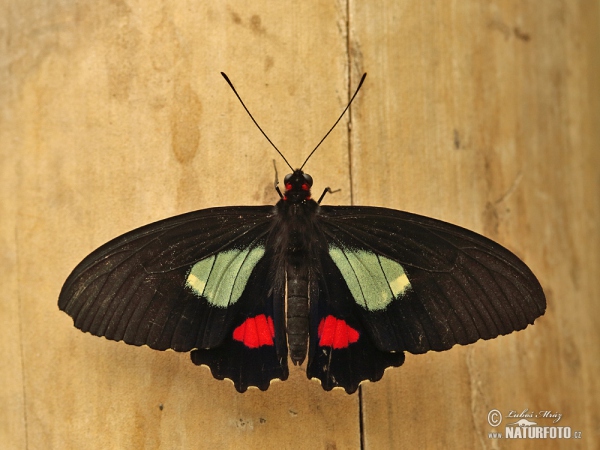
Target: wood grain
point(113, 114)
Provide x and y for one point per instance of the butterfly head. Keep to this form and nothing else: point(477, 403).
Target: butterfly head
point(297, 186)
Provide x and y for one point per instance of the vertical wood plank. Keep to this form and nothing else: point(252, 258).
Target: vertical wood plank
point(485, 114)
point(12, 393)
point(116, 116)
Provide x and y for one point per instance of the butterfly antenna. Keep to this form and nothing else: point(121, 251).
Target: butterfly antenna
point(336, 122)
point(255, 123)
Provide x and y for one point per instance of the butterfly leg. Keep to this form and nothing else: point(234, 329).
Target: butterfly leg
point(327, 190)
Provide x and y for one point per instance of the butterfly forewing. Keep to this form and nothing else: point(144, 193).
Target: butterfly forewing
point(137, 287)
point(461, 286)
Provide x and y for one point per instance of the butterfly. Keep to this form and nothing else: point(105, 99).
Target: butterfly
point(351, 288)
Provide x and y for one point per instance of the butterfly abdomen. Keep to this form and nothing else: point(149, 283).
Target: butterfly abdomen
point(298, 250)
point(297, 312)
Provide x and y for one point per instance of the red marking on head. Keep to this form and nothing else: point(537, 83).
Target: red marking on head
point(288, 186)
point(336, 333)
point(255, 331)
point(305, 187)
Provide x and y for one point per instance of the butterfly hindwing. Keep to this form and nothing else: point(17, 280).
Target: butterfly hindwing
point(439, 284)
point(342, 353)
point(254, 352)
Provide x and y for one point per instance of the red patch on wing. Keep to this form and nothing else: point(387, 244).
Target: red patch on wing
point(255, 331)
point(336, 333)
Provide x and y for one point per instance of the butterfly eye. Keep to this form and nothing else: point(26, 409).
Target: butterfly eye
point(286, 179)
point(308, 180)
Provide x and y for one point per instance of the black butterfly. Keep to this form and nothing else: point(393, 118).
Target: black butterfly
point(363, 285)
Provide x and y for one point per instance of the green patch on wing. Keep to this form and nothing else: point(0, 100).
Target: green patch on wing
point(221, 278)
point(374, 280)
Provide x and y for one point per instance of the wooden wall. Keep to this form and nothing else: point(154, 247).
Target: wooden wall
point(113, 114)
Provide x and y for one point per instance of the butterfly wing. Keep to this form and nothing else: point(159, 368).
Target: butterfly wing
point(341, 352)
point(410, 283)
point(187, 282)
point(254, 351)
